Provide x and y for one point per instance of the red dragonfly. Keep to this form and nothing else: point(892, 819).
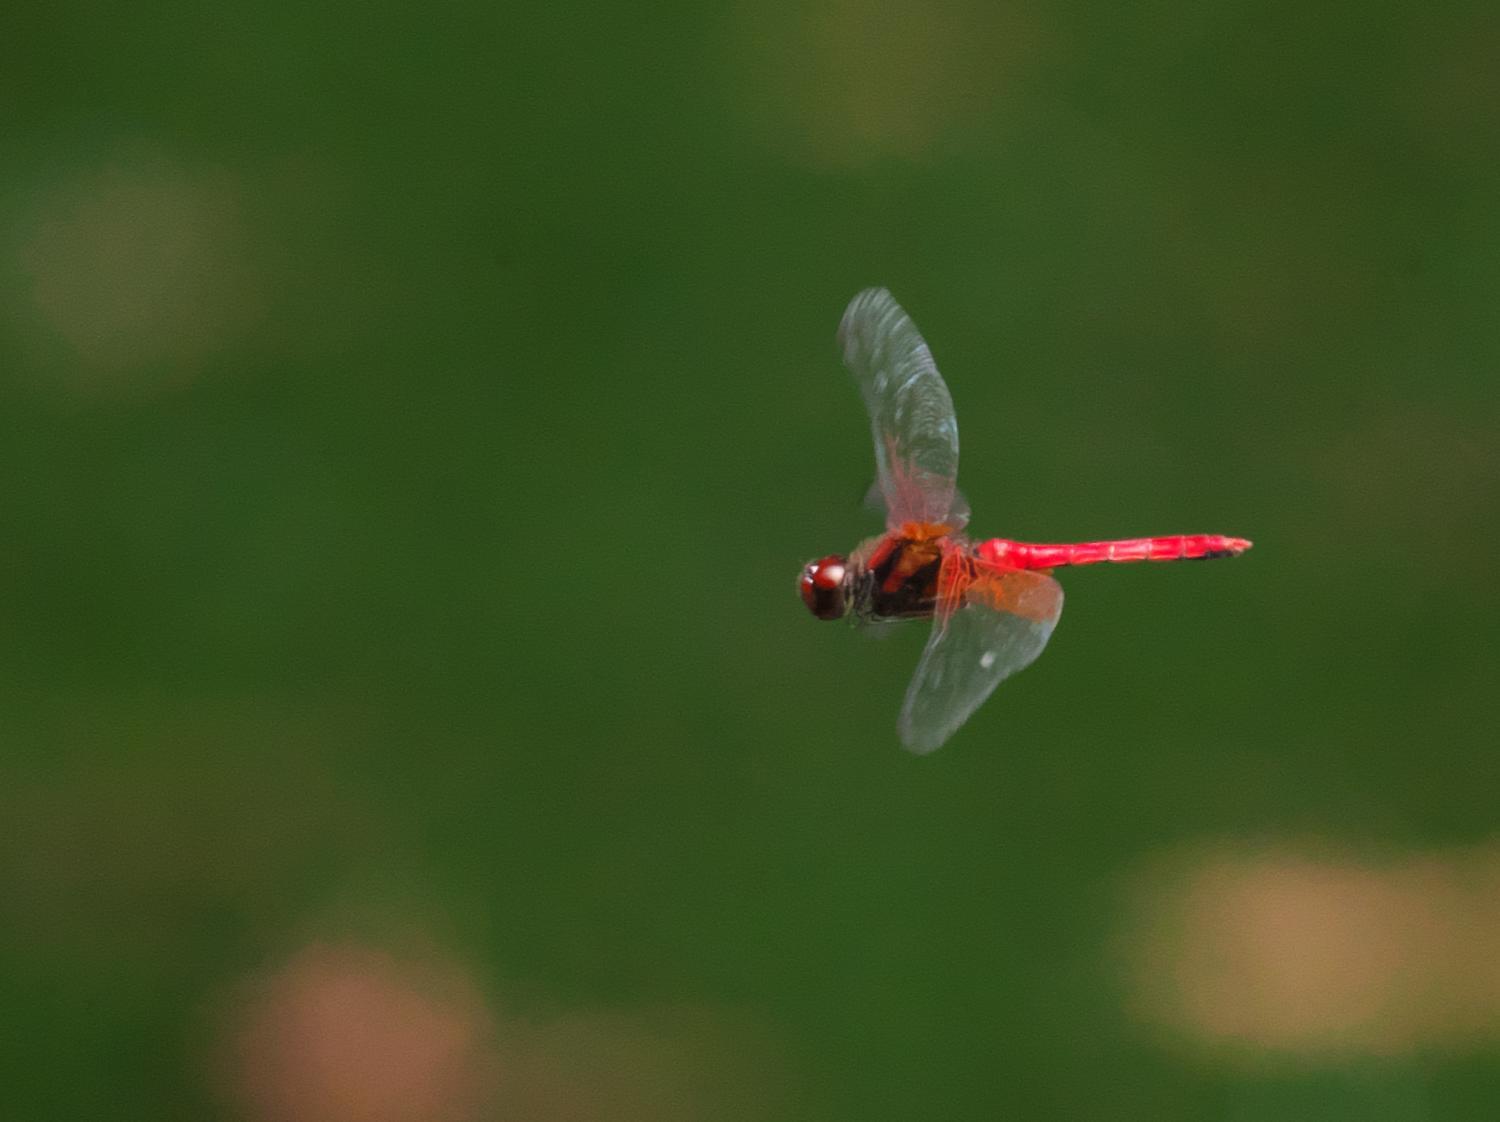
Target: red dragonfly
point(993, 603)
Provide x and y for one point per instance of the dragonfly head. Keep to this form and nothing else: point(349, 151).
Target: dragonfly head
point(825, 587)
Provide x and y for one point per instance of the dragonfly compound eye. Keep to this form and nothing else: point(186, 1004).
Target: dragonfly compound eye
point(823, 584)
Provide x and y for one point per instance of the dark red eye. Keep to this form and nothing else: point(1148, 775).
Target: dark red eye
point(823, 587)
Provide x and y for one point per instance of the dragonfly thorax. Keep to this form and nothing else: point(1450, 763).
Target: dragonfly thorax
point(896, 577)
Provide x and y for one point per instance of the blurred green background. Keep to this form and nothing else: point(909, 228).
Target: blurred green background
point(414, 421)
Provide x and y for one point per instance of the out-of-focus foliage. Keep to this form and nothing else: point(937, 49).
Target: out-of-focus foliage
point(412, 421)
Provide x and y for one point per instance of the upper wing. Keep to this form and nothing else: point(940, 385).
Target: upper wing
point(911, 414)
point(1005, 619)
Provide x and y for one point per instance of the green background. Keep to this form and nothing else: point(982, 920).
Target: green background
point(414, 420)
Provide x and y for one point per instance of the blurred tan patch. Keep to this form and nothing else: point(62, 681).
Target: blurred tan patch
point(142, 268)
point(837, 83)
point(350, 1034)
point(1423, 482)
point(1453, 103)
point(1292, 952)
point(145, 821)
point(343, 1032)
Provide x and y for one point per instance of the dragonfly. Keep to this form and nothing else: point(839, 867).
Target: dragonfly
point(993, 603)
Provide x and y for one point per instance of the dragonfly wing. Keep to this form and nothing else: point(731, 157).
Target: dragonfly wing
point(911, 412)
point(1002, 623)
point(958, 513)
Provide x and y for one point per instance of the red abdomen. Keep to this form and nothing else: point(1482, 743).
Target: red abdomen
point(1182, 547)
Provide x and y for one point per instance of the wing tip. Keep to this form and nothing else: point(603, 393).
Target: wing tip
point(864, 299)
point(920, 744)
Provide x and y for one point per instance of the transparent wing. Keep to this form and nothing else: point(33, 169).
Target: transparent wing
point(911, 413)
point(1002, 623)
point(958, 514)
